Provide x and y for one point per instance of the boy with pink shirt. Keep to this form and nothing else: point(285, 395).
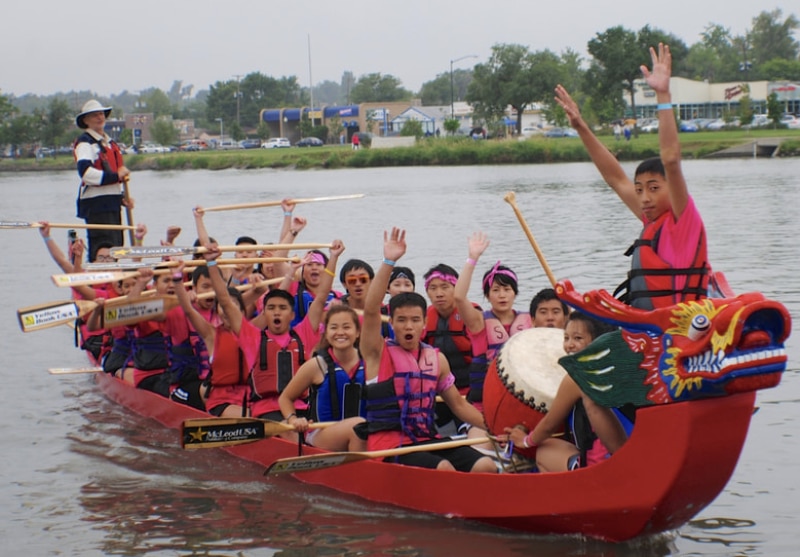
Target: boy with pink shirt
point(670, 259)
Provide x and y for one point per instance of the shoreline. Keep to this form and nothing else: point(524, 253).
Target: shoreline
point(446, 152)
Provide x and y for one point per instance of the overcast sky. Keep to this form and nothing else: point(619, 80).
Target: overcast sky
point(53, 46)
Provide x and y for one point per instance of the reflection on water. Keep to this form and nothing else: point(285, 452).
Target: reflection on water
point(88, 478)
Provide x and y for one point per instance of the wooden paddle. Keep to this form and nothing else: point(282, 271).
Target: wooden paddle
point(123, 252)
point(20, 224)
point(102, 277)
point(511, 199)
point(52, 314)
point(124, 311)
point(257, 204)
point(126, 195)
point(73, 370)
point(208, 433)
point(328, 460)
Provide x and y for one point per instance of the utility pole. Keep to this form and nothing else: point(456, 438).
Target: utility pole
point(310, 81)
point(238, 96)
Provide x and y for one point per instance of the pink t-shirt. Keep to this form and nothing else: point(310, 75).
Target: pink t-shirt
point(678, 241)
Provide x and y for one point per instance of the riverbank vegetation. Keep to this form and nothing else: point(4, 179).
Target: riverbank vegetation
point(431, 152)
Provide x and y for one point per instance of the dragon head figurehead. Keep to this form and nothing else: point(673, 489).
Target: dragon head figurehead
point(697, 349)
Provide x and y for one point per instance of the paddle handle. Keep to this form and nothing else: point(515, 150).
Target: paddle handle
point(85, 226)
point(257, 204)
point(511, 199)
point(126, 195)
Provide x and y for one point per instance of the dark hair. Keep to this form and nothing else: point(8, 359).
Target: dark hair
point(278, 293)
point(499, 278)
point(545, 295)
point(334, 310)
point(98, 247)
point(354, 264)
point(245, 240)
point(407, 299)
point(652, 165)
point(200, 271)
point(397, 271)
point(197, 244)
point(442, 268)
point(593, 325)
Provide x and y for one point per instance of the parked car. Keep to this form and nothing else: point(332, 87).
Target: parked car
point(309, 142)
point(688, 126)
point(250, 143)
point(529, 131)
point(790, 121)
point(649, 126)
point(561, 132)
point(759, 121)
point(276, 143)
point(152, 148)
point(228, 144)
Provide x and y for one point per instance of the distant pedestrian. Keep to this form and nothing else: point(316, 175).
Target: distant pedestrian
point(356, 142)
point(627, 132)
point(617, 131)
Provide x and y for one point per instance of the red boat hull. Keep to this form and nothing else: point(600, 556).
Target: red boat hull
point(678, 459)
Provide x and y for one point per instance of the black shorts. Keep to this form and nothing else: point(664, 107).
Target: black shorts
point(462, 458)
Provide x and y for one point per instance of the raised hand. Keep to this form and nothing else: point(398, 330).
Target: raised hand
point(213, 251)
point(569, 105)
point(337, 248)
point(394, 244)
point(658, 77)
point(478, 243)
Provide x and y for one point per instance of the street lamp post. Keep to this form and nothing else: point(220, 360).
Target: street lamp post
point(221, 136)
point(452, 86)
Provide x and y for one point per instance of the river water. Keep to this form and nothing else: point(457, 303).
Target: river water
point(81, 476)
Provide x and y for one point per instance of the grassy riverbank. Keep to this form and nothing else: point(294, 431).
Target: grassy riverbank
point(430, 152)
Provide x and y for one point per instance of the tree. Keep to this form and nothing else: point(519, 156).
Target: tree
point(715, 57)
point(328, 93)
point(772, 38)
point(335, 129)
point(452, 125)
point(157, 102)
point(164, 132)
point(56, 123)
point(513, 76)
point(774, 108)
point(375, 87)
point(780, 70)
point(619, 54)
point(411, 128)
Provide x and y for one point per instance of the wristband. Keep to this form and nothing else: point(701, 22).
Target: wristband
point(331, 273)
point(664, 106)
point(527, 445)
point(389, 262)
point(289, 417)
point(287, 213)
point(471, 261)
point(212, 263)
point(46, 239)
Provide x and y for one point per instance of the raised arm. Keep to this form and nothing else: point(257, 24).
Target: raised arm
point(608, 165)
point(371, 340)
point(228, 304)
point(202, 233)
point(668, 142)
point(472, 316)
point(317, 307)
point(203, 327)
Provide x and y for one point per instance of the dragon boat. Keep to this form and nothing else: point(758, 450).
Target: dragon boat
point(692, 369)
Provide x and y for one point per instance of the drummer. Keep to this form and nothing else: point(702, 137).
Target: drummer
point(488, 330)
point(559, 455)
point(399, 416)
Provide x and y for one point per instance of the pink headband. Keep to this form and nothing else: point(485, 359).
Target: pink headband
point(441, 276)
point(489, 280)
point(317, 258)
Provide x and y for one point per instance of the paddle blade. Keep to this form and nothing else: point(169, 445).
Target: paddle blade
point(208, 433)
point(312, 462)
point(44, 316)
point(129, 312)
point(85, 279)
point(73, 370)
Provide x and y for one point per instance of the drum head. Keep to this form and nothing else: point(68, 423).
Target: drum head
point(522, 382)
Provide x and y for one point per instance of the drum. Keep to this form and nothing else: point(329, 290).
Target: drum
point(523, 380)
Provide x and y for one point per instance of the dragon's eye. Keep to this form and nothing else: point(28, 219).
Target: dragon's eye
point(699, 327)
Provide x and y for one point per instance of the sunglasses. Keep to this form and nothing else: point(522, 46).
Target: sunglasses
point(358, 279)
